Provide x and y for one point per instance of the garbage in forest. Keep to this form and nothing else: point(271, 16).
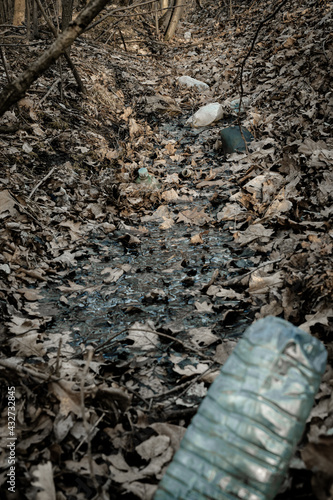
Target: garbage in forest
point(246, 430)
point(146, 179)
point(192, 82)
point(187, 35)
point(232, 140)
point(206, 115)
point(234, 104)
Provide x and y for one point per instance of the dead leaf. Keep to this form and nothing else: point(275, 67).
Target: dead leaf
point(7, 204)
point(260, 282)
point(44, 481)
point(114, 274)
point(224, 350)
point(143, 335)
point(187, 366)
point(70, 400)
point(194, 217)
point(254, 232)
point(196, 239)
point(231, 211)
point(153, 447)
point(202, 336)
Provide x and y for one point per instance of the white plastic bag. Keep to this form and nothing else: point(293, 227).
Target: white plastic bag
point(206, 115)
point(192, 82)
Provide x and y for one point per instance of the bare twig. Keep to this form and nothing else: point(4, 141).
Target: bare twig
point(232, 281)
point(41, 182)
point(48, 92)
point(24, 370)
point(68, 59)
point(261, 24)
point(241, 69)
point(119, 9)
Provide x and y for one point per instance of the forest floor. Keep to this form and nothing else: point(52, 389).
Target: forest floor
point(119, 300)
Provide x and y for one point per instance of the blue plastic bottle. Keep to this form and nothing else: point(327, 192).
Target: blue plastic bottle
point(239, 444)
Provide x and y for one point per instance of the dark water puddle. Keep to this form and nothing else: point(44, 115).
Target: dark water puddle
point(164, 279)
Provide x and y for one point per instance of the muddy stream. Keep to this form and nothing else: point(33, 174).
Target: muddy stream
point(163, 279)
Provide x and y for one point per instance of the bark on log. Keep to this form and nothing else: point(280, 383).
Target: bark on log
point(16, 89)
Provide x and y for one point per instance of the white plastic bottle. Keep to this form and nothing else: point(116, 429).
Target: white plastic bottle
point(206, 115)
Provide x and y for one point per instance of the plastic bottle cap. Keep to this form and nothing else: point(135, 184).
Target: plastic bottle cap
point(143, 173)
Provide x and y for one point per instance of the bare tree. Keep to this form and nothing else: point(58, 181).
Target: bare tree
point(16, 89)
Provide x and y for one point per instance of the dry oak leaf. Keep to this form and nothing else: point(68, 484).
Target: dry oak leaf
point(231, 211)
point(28, 345)
point(320, 317)
point(114, 274)
point(194, 217)
point(7, 204)
point(202, 336)
point(252, 233)
point(44, 481)
point(196, 239)
point(261, 283)
point(70, 401)
point(153, 447)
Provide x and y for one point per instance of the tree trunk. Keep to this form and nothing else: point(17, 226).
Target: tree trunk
point(16, 90)
point(177, 13)
point(19, 12)
point(67, 12)
point(166, 14)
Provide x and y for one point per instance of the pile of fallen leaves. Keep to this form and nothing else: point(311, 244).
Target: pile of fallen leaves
point(91, 427)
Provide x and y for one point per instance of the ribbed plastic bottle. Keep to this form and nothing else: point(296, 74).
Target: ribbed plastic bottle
point(146, 179)
point(240, 442)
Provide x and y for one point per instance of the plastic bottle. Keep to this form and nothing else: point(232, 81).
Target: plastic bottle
point(206, 115)
point(192, 82)
point(145, 178)
point(240, 442)
point(236, 102)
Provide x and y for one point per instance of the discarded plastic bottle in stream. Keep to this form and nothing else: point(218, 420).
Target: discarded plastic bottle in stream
point(240, 442)
point(146, 179)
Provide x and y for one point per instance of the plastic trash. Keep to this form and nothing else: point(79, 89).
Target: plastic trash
point(187, 172)
point(187, 35)
point(246, 430)
point(192, 82)
point(233, 141)
point(206, 115)
point(234, 104)
point(145, 178)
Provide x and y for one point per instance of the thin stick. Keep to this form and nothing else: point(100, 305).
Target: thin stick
point(41, 182)
point(68, 59)
point(23, 370)
point(49, 91)
point(232, 281)
point(241, 70)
